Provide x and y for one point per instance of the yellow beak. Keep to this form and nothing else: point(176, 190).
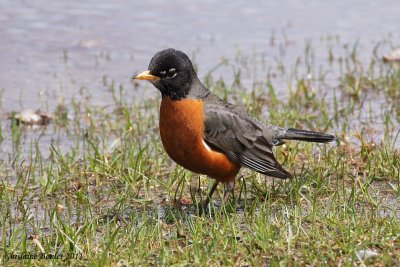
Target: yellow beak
point(145, 75)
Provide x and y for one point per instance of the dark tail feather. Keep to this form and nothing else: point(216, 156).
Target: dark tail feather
point(308, 136)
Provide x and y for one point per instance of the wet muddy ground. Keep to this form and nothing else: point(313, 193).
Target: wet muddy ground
point(99, 167)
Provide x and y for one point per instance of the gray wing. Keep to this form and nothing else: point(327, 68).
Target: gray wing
point(243, 139)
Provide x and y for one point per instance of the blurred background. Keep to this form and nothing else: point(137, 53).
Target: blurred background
point(48, 46)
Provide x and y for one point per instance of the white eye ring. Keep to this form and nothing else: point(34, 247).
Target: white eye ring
point(172, 71)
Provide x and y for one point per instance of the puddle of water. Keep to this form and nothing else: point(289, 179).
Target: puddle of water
point(43, 55)
point(52, 51)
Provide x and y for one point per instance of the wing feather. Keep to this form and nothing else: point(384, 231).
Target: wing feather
point(243, 139)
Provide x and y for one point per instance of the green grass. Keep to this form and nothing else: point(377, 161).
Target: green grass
point(96, 185)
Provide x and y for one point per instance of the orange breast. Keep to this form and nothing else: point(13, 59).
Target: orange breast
point(182, 134)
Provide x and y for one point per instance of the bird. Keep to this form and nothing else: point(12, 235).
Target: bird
point(209, 136)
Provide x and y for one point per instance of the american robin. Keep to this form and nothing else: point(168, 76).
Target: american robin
point(207, 135)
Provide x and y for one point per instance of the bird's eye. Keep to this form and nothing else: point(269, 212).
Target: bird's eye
point(163, 72)
point(172, 73)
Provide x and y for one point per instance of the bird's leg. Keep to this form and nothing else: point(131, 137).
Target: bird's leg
point(229, 186)
point(209, 196)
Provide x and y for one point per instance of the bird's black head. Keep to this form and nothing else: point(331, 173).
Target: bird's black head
point(171, 72)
